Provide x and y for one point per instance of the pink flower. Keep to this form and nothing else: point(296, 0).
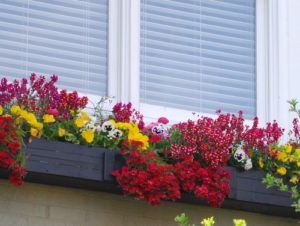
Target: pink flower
point(163, 120)
point(53, 112)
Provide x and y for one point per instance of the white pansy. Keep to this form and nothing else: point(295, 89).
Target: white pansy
point(248, 164)
point(107, 127)
point(239, 155)
point(115, 133)
point(158, 129)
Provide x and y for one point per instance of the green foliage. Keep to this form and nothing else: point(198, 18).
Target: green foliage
point(183, 220)
point(278, 183)
point(296, 198)
point(270, 181)
point(293, 106)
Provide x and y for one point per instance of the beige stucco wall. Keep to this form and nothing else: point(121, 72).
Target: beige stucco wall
point(42, 205)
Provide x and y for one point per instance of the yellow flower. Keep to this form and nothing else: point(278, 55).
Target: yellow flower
point(48, 118)
point(15, 109)
point(79, 122)
point(88, 135)
point(294, 179)
point(38, 125)
point(208, 221)
point(261, 163)
point(1, 110)
point(239, 222)
point(85, 117)
point(297, 151)
point(61, 132)
point(281, 171)
point(34, 132)
point(282, 156)
point(288, 148)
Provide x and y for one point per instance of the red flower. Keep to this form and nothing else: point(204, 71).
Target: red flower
point(153, 138)
point(163, 120)
point(53, 112)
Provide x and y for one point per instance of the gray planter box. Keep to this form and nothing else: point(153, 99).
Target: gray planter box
point(65, 159)
point(65, 164)
point(248, 186)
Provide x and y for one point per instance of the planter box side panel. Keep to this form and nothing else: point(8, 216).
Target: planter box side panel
point(65, 159)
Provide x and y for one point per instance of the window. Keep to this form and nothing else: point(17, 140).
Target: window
point(67, 38)
point(199, 55)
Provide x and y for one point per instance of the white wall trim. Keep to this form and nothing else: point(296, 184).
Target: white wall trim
point(278, 62)
point(130, 51)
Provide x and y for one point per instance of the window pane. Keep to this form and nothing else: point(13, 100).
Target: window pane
point(199, 55)
point(67, 38)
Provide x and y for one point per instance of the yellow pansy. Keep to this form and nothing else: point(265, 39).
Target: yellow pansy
point(297, 151)
point(61, 132)
point(48, 118)
point(288, 148)
point(281, 171)
point(38, 125)
point(88, 135)
point(85, 117)
point(1, 110)
point(282, 156)
point(34, 132)
point(15, 109)
point(294, 180)
point(79, 122)
point(261, 163)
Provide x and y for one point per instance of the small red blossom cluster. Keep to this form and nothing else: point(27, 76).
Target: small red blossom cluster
point(126, 113)
point(261, 138)
point(10, 151)
point(209, 138)
point(148, 180)
point(40, 96)
point(207, 183)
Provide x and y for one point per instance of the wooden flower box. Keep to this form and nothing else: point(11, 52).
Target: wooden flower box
point(64, 164)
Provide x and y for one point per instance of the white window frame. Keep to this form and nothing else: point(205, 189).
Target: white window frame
point(124, 61)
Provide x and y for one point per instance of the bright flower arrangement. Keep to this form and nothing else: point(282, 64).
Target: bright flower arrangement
point(162, 160)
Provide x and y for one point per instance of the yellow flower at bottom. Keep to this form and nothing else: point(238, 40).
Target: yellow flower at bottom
point(239, 222)
point(208, 221)
point(281, 171)
point(88, 135)
point(61, 132)
point(48, 118)
point(34, 132)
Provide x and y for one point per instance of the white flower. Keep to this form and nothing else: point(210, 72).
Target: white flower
point(115, 133)
point(248, 164)
point(239, 155)
point(158, 130)
point(107, 127)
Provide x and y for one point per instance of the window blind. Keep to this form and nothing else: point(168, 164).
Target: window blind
point(199, 55)
point(66, 38)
